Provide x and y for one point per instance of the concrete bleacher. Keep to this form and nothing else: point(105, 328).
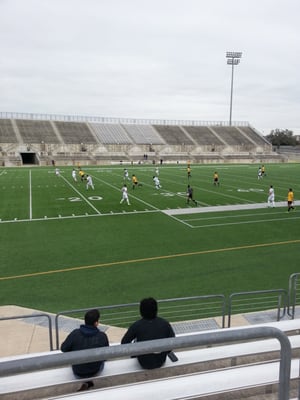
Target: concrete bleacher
point(203, 136)
point(36, 131)
point(171, 141)
point(7, 133)
point(256, 138)
point(252, 366)
point(232, 136)
point(173, 135)
point(75, 132)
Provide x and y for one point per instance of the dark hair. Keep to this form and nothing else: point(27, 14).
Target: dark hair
point(148, 308)
point(91, 317)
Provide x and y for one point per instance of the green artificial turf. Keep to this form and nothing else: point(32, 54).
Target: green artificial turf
point(63, 247)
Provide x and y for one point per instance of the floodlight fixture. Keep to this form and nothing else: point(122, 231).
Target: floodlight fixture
point(234, 54)
point(233, 58)
point(233, 61)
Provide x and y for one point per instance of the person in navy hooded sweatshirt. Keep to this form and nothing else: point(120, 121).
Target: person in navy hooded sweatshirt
point(88, 336)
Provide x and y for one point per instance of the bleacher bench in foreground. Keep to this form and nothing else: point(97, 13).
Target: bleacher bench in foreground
point(206, 370)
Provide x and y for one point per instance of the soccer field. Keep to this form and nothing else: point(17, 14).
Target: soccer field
point(66, 247)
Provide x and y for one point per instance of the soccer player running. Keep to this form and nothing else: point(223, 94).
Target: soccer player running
point(74, 175)
point(124, 194)
point(81, 174)
point(89, 182)
point(156, 182)
point(290, 200)
point(190, 195)
point(135, 182)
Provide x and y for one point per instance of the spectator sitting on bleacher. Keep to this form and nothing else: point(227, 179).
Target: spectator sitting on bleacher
point(88, 336)
point(149, 327)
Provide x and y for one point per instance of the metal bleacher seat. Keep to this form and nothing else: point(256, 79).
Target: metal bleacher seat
point(110, 133)
point(199, 367)
point(250, 381)
point(143, 134)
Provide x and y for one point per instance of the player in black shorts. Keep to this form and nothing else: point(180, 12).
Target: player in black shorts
point(190, 195)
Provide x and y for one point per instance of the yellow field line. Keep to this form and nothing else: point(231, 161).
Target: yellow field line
point(170, 256)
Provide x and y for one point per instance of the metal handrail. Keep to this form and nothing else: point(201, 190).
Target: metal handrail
point(221, 297)
point(293, 294)
point(281, 294)
point(14, 367)
point(35, 316)
point(114, 120)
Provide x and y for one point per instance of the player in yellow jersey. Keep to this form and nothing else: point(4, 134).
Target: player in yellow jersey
point(81, 174)
point(135, 181)
point(290, 200)
point(189, 171)
point(216, 179)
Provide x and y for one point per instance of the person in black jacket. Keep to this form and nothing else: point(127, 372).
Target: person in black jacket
point(150, 327)
point(88, 336)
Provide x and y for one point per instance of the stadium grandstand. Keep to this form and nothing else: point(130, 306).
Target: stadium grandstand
point(44, 139)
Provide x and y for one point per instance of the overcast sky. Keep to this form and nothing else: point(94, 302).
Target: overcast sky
point(160, 59)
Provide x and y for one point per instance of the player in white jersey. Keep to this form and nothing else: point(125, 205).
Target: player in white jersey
point(57, 172)
point(156, 182)
point(89, 182)
point(271, 197)
point(259, 173)
point(124, 194)
point(126, 175)
point(74, 175)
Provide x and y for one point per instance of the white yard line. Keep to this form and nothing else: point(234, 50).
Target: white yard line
point(130, 194)
point(30, 196)
point(14, 221)
point(81, 195)
point(201, 210)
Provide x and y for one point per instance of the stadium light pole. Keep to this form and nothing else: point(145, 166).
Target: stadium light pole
point(233, 58)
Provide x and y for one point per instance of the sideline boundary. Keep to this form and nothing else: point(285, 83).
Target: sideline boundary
point(198, 210)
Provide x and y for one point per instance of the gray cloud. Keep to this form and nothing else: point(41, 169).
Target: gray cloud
point(159, 59)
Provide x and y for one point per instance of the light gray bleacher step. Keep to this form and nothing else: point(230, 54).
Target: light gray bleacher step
point(61, 380)
point(123, 371)
point(215, 384)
